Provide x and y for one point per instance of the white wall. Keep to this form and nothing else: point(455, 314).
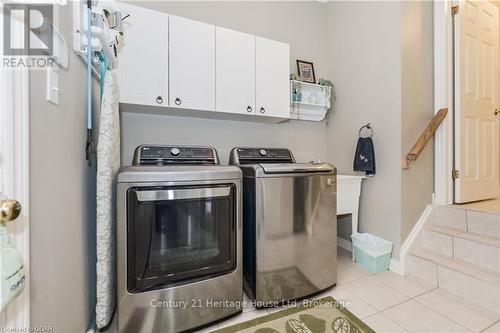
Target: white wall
point(307, 140)
point(417, 108)
point(364, 62)
point(381, 60)
point(378, 54)
point(302, 24)
point(62, 200)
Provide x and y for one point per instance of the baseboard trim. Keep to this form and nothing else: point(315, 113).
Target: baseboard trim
point(344, 243)
point(405, 248)
point(395, 266)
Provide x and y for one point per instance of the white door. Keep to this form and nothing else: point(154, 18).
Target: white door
point(192, 64)
point(235, 71)
point(476, 83)
point(14, 170)
point(272, 78)
point(143, 60)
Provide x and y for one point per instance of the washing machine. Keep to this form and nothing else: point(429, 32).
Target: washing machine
point(289, 225)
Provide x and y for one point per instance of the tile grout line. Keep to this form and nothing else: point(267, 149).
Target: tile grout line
point(487, 328)
point(394, 305)
point(404, 277)
point(390, 319)
point(411, 298)
point(397, 322)
point(364, 300)
point(442, 314)
point(356, 279)
point(466, 220)
point(453, 246)
point(373, 314)
point(414, 299)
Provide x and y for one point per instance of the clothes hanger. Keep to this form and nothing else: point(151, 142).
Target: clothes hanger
point(369, 128)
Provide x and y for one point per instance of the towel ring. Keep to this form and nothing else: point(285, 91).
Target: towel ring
point(369, 128)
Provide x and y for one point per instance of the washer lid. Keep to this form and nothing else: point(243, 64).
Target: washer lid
point(271, 168)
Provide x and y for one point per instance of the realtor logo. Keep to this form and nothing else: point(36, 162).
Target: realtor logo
point(27, 29)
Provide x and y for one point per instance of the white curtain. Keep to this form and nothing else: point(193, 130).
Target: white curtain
point(108, 163)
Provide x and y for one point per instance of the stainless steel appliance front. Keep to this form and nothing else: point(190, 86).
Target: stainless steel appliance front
point(180, 223)
point(290, 226)
point(295, 236)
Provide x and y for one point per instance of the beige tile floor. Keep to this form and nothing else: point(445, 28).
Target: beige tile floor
point(488, 206)
point(388, 302)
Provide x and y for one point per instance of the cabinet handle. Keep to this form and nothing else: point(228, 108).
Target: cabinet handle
point(262, 110)
point(159, 100)
point(497, 112)
point(178, 101)
point(249, 108)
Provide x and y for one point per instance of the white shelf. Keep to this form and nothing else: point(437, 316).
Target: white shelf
point(308, 115)
point(302, 83)
point(314, 104)
point(310, 104)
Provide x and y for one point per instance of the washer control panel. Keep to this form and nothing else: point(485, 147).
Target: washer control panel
point(260, 155)
point(167, 155)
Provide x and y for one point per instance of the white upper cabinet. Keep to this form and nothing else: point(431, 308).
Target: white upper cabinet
point(192, 64)
point(179, 63)
point(143, 60)
point(235, 71)
point(272, 78)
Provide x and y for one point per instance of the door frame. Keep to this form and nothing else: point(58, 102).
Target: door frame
point(14, 150)
point(444, 98)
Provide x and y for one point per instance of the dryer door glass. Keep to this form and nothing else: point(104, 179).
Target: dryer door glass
point(178, 235)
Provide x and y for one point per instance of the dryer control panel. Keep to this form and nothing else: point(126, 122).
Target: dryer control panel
point(171, 155)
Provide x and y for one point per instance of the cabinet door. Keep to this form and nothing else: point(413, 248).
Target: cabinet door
point(143, 58)
point(235, 72)
point(192, 64)
point(272, 78)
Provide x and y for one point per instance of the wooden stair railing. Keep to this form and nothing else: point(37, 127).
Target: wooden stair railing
point(424, 138)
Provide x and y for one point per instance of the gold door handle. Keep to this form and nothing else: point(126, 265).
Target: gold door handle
point(9, 210)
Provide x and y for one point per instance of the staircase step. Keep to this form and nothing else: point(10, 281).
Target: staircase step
point(458, 265)
point(486, 240)
point(423, 270)
point(430, 255)
point(422, 264)
point(477, 285)
point(436, 240)
point(476, 249)
point(472, 270)
point(479, 253)
point(443, 230)
point(459, 251)
point(451, 217)
point(486, 224)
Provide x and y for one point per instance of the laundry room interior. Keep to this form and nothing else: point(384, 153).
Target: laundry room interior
point(250, 166)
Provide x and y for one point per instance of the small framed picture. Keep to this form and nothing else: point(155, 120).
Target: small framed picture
point(306, 71)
